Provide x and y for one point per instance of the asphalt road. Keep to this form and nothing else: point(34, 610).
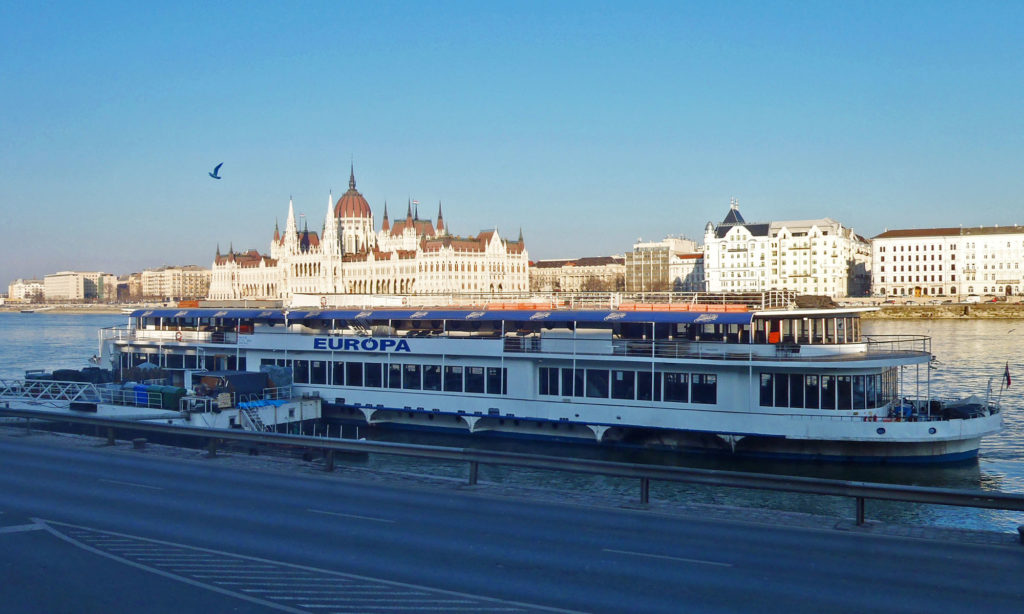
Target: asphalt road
point(92, 530)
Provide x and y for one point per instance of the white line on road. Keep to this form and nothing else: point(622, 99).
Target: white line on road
point(21, 528)
point(350, 516)
point(670, 558)
point(119, 482)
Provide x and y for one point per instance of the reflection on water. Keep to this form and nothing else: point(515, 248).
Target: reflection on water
point(969, 354)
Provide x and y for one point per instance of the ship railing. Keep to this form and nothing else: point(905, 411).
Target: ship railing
point(768, 299)
point(897, 344)
point(169, 335)
point(48, 390)
point(132, 398)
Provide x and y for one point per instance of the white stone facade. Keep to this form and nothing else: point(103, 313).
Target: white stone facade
point(952, 262)
point(25, 290)
point(413, 256)
point(596, 274)
point(80, 286)
point(820, 257)
point(176, 283)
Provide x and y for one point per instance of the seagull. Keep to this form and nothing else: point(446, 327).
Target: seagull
point(216, 170)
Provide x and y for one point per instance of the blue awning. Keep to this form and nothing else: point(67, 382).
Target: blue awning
point(378, 315)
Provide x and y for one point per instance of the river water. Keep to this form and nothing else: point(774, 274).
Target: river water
point(968, 354)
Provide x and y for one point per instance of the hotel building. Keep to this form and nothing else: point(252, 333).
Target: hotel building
point(948, 261)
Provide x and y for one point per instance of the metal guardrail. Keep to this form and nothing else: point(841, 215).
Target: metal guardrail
point(859, 491)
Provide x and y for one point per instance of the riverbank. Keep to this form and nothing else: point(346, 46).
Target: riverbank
point(976, 311)
point(64, 309)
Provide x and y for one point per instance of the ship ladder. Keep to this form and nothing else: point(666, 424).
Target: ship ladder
point(253, 422)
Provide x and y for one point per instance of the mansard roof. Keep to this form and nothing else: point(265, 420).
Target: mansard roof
point(757, 230)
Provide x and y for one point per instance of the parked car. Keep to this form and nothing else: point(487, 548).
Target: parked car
point(972, 298)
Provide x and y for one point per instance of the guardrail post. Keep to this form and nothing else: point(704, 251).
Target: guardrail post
point(329, 461)
point(645, 490)
point(860, 511)
point(474, 471)
point(211, 448)
point(111, 440)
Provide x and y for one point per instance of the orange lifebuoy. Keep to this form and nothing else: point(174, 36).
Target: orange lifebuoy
point(178, 336)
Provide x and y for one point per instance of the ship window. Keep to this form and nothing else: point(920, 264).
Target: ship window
point(394, 376)
point(844, 388)
point(859, 395)
point(411, 379)
point(767, 396)
point(811, 392)
point(566, 382)
point(300, 371)
point(578, 380)
point(872, 390)
point(354, 373)
point(796, 390)
point(175, 361)
point(338, 373)
point(474, 379)
point(453, 379)
point(677, 387)
point(494, 380)
point(431, 377)
point(828, 392)
point(705, 388)
point(623, 384)
point(191, 361)
point(781, 390)
point(318, 372)
point(545, 383)
point(597, 383)
point(648, 386)
point(372, 375)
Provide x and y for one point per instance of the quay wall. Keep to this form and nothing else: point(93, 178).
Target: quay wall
point(979, 311)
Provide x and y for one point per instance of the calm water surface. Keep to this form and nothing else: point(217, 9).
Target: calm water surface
point(968, 354)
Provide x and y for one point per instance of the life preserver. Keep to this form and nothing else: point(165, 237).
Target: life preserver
point(178, 336)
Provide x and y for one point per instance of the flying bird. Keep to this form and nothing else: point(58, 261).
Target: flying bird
point(216, 170)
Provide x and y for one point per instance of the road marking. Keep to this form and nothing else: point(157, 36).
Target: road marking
point(357, 517)
point(670, 558)
point(119, 482)
point(21, 528)
point(83, 537)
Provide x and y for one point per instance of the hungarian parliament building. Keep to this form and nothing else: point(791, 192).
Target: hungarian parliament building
point(407, 256)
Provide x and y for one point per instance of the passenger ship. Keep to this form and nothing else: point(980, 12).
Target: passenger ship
point(755, 375)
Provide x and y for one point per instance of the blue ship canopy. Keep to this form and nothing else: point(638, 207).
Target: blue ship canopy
point(554, 315)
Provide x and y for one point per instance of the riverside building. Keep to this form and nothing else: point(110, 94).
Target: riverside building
point(670, 265)
point(176, 282)
point(949, 261)
point(593, 274)
point(408, 256)
point(25, 290)
point(80, 286)
point(819, 256)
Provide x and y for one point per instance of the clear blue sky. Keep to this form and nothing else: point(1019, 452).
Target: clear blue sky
point(587, 124)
